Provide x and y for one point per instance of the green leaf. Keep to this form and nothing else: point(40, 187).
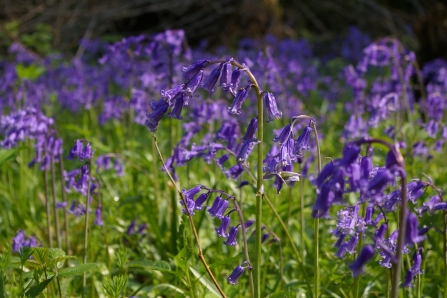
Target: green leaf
point(77, 270)
point(31, 72)
point(158, 265)
point(6, 155)
point(34, 291)
point(181, 259)
point(41, 255)
point(206, 282)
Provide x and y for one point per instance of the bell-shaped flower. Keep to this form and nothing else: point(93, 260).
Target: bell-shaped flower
point(366, 254)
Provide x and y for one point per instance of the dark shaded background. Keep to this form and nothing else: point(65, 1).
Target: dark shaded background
point(420, 24)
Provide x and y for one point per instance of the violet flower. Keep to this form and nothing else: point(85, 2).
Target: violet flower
point(238, 101)
point(232, 237)
point(271, 106)
point(365, 256)
point(234, 276)
point(211, 81)
point(222, 229)
point(159, 108)
point(193, 69)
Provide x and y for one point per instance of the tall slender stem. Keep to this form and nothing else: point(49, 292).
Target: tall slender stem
point(259, 182)
point(244, 237)
point(302, 232)
point(64, 199)
point(359, 245)
point(316, 239)
point(193, 227)
point(47, 207)
point(402, 214)
point(316, 223)
point(444, 239)
point(84, 279)
point(55, 213)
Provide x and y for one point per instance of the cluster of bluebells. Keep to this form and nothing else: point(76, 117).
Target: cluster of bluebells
point(104, 162)
point(434, 75)
point(223, 75)
point(353, 173)
point(196, 199)
point(135, 231)
point(285, 153)
point(386, 95)
point(31, 124)
point(21, 240)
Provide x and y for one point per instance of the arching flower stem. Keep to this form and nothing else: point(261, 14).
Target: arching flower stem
point(395, 284)
point(193, 227)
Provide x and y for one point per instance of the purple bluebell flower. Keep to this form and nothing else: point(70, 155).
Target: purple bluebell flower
point(86, 153)
point(170, 94)
point(192, 86)
point(429, 205)
point(249, 223)
point(415, 190)
point(75, 151)
point(225, 77)
point(350, 154)
point(271, 106)
point(211, 81)
point(131, 228)
point(243, 183)
point(17, 241)
point(341, 238)
point(423, 231)
point(238, 101)
point(232, 237)
point(20, 241)
point(219, 206)
point(190, 71)
point(141, 229)
point(190, 193)
point(77, 209)
point(378, 183)
point(159, 108)
point(352, 243)
point(61, 205)
point(234, 276)
point(366, 166)
point(365, 256)
point(235, 79)
point(327, 171)
point(391, 200)
point(178, 106)
point(234, 171)
point(222, 229)
point(246, 148)
point(201, 199)
point(118, 167)
point(251, 130)
point(342, 249)
point(390, 160)
point(369, 214)
point(302, 142)
point(265, 237)
point(411, 230)
point(285, 134)
point(379, 234)
point(190, 205)
point(415, 269)
point(286, 153)
point(98, 217)
point(45, 164)
point(323, 202)
point(355, 181)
